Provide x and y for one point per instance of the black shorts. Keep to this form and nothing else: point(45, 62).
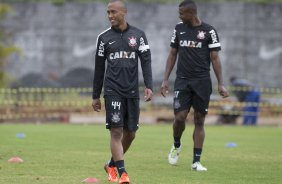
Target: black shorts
point(195, 93)
point(122, 112)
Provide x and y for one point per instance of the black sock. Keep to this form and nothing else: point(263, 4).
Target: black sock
point(177, 142)
point(197, 154)
point(120, 167)
point(112, 163)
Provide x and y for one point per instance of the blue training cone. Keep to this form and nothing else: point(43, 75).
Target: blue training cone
point(231, 145)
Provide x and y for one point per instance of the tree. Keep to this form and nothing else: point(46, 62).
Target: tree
point(6, 47)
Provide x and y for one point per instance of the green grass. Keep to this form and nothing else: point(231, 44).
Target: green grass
point(67, 154)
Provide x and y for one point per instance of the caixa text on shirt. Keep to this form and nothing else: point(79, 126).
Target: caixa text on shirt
point(188, 43)
point(122, 54)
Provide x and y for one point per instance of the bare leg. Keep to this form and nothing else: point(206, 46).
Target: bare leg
point(116, 143)
point(128, 137)
point(179, 123)
point(199, 131)
point(198, 138)
point(178, 129)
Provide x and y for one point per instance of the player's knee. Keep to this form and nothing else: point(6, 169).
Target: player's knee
point(199, 124)
point(179, 121)
point(180, 118)
point(116, 133)
point(199, 119)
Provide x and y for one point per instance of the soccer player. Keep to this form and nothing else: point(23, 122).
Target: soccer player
point(119, 47)
point(197, 44)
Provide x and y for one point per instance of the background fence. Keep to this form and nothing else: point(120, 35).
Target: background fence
point(57, 104)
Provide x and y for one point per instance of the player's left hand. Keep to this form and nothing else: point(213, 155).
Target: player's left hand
point(148, 94)
point(223, 91)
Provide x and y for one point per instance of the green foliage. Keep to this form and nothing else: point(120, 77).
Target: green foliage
point(4, 10)
point(6, 48)
point(58, 2)
point(6, 51)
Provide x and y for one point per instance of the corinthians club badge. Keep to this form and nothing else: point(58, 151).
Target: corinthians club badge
point(201, 35)
point(176, 104)
point(132, 41)
point(115, 117)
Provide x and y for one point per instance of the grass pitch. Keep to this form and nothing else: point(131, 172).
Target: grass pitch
point(67, 154)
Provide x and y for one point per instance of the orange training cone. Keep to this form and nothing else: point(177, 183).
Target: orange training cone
point(15, 160)
point(90, 180)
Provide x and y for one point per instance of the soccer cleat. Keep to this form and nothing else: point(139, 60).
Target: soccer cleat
point(173, 155)
point(112, 173)
point(197, 166)
point(124, 179)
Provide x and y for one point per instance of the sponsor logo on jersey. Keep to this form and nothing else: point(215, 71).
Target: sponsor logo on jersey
point(122, 54)
point(201, 35)
point(112, 42)
point(173, 36)
point(192, 44)
point(143, 47)
point(213, 36)
point(101, 49)
point(132, 41)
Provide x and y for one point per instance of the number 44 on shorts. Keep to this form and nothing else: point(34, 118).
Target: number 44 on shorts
point(116, 104)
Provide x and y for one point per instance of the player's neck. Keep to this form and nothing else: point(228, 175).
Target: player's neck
point(122, 27)
point(196, 21)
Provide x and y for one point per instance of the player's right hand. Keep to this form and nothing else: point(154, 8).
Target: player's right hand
point(223, 91)
point(96, 104)
point(164, 88)
point(148, 94)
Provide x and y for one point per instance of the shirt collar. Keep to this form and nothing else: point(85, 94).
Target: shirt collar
point(119, 31)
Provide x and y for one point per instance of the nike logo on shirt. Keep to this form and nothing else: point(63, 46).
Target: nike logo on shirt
point(112, 42)
point(182, 32)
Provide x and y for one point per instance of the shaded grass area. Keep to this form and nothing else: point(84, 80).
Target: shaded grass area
point(67, 154)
